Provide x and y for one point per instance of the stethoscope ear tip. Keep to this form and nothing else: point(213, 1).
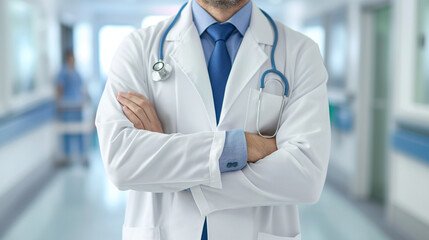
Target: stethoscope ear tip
point(161, 71)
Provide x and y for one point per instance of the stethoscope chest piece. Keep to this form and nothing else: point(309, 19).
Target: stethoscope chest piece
point(161, 71)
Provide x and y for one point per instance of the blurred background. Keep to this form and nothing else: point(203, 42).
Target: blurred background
point(54, 56)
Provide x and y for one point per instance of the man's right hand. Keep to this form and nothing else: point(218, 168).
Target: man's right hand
point(259, 147)
point(140, 111)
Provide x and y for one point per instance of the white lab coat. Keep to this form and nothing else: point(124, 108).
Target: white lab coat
point(257, 202)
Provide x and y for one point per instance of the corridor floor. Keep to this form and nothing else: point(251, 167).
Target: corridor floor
point(80, 204)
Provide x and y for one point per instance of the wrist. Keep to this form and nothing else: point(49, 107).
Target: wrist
point(259, 147)
point(253, 147)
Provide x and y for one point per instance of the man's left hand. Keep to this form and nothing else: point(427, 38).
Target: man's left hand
point(140, 111)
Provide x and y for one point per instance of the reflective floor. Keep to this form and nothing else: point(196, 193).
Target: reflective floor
point(80, 203)
point(335, 217)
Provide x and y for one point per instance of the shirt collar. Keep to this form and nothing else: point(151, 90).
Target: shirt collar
point(203, 19)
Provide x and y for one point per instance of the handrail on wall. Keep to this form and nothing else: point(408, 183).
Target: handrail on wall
point(19, 124)
point(412, 143)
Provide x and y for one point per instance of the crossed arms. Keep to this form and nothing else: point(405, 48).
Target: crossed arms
point(141, 112)
point(138, 156)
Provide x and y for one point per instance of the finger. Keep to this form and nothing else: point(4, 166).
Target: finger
point(144, 103)
point(141, 99)
point(152, 115)
point(138, 111)
point(137, 94)
point(136, 98)
point(133, 118)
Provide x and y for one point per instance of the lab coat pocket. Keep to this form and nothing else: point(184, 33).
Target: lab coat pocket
point(270, 110)
point(266, 236)
point(140, 233)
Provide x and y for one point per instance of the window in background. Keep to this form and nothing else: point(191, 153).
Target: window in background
point(317, 33)
point(83, 42)
point(152, 20)
point(24, 46)
point(422, 74)
point(110, 37)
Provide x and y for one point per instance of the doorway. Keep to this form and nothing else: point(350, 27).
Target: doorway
point(373, 101)
point(66, 39)
point(380, 102)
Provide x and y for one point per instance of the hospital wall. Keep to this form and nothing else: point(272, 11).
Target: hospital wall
point(406, 202)
point(28, 140)
point(30, 59)
point(346, 92)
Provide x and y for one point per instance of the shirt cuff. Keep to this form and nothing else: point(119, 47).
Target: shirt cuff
point(234, 155)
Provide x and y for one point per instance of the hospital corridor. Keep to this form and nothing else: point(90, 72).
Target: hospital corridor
point(68, 173)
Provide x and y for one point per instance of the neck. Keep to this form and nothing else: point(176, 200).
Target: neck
point(221, 14)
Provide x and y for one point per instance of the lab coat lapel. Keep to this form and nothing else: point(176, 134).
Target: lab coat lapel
point(249, 59)
point(189, 57)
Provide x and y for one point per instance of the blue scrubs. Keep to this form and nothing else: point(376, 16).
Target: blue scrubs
point(70, 107)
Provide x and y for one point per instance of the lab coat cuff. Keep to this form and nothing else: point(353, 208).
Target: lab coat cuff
point(215, 153)
point(234, 155)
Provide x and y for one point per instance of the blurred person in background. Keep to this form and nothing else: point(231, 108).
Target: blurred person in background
point(71, 98)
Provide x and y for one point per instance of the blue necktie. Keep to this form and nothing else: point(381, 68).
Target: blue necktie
point(219, 63)
point(219, 68)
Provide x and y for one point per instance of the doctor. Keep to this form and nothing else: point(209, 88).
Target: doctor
point(186, 148)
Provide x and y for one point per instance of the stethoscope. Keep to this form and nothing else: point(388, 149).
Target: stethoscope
point(162, 70)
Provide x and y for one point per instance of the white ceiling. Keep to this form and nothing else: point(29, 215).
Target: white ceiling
point(115, 9)
point(124, 5)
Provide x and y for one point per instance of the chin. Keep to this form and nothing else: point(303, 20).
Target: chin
point(224, 3)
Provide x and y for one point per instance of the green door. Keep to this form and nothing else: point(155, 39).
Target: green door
point(382, 17)
point(422, 73)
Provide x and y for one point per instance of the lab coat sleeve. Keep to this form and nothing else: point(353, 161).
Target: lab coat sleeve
point(295, 173)
point(143, 160)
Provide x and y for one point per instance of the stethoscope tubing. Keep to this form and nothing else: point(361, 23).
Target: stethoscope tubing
point(164, 36)
point(273, 69)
